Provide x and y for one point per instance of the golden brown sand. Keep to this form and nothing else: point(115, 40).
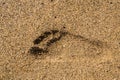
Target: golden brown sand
point(94, 56)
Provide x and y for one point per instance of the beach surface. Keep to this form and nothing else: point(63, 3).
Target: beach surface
point(88, 46)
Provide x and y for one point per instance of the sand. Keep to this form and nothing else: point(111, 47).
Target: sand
point(91, 50)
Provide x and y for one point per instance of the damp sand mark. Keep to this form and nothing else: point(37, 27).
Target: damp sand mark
point(37, 50)
point(40, 39)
